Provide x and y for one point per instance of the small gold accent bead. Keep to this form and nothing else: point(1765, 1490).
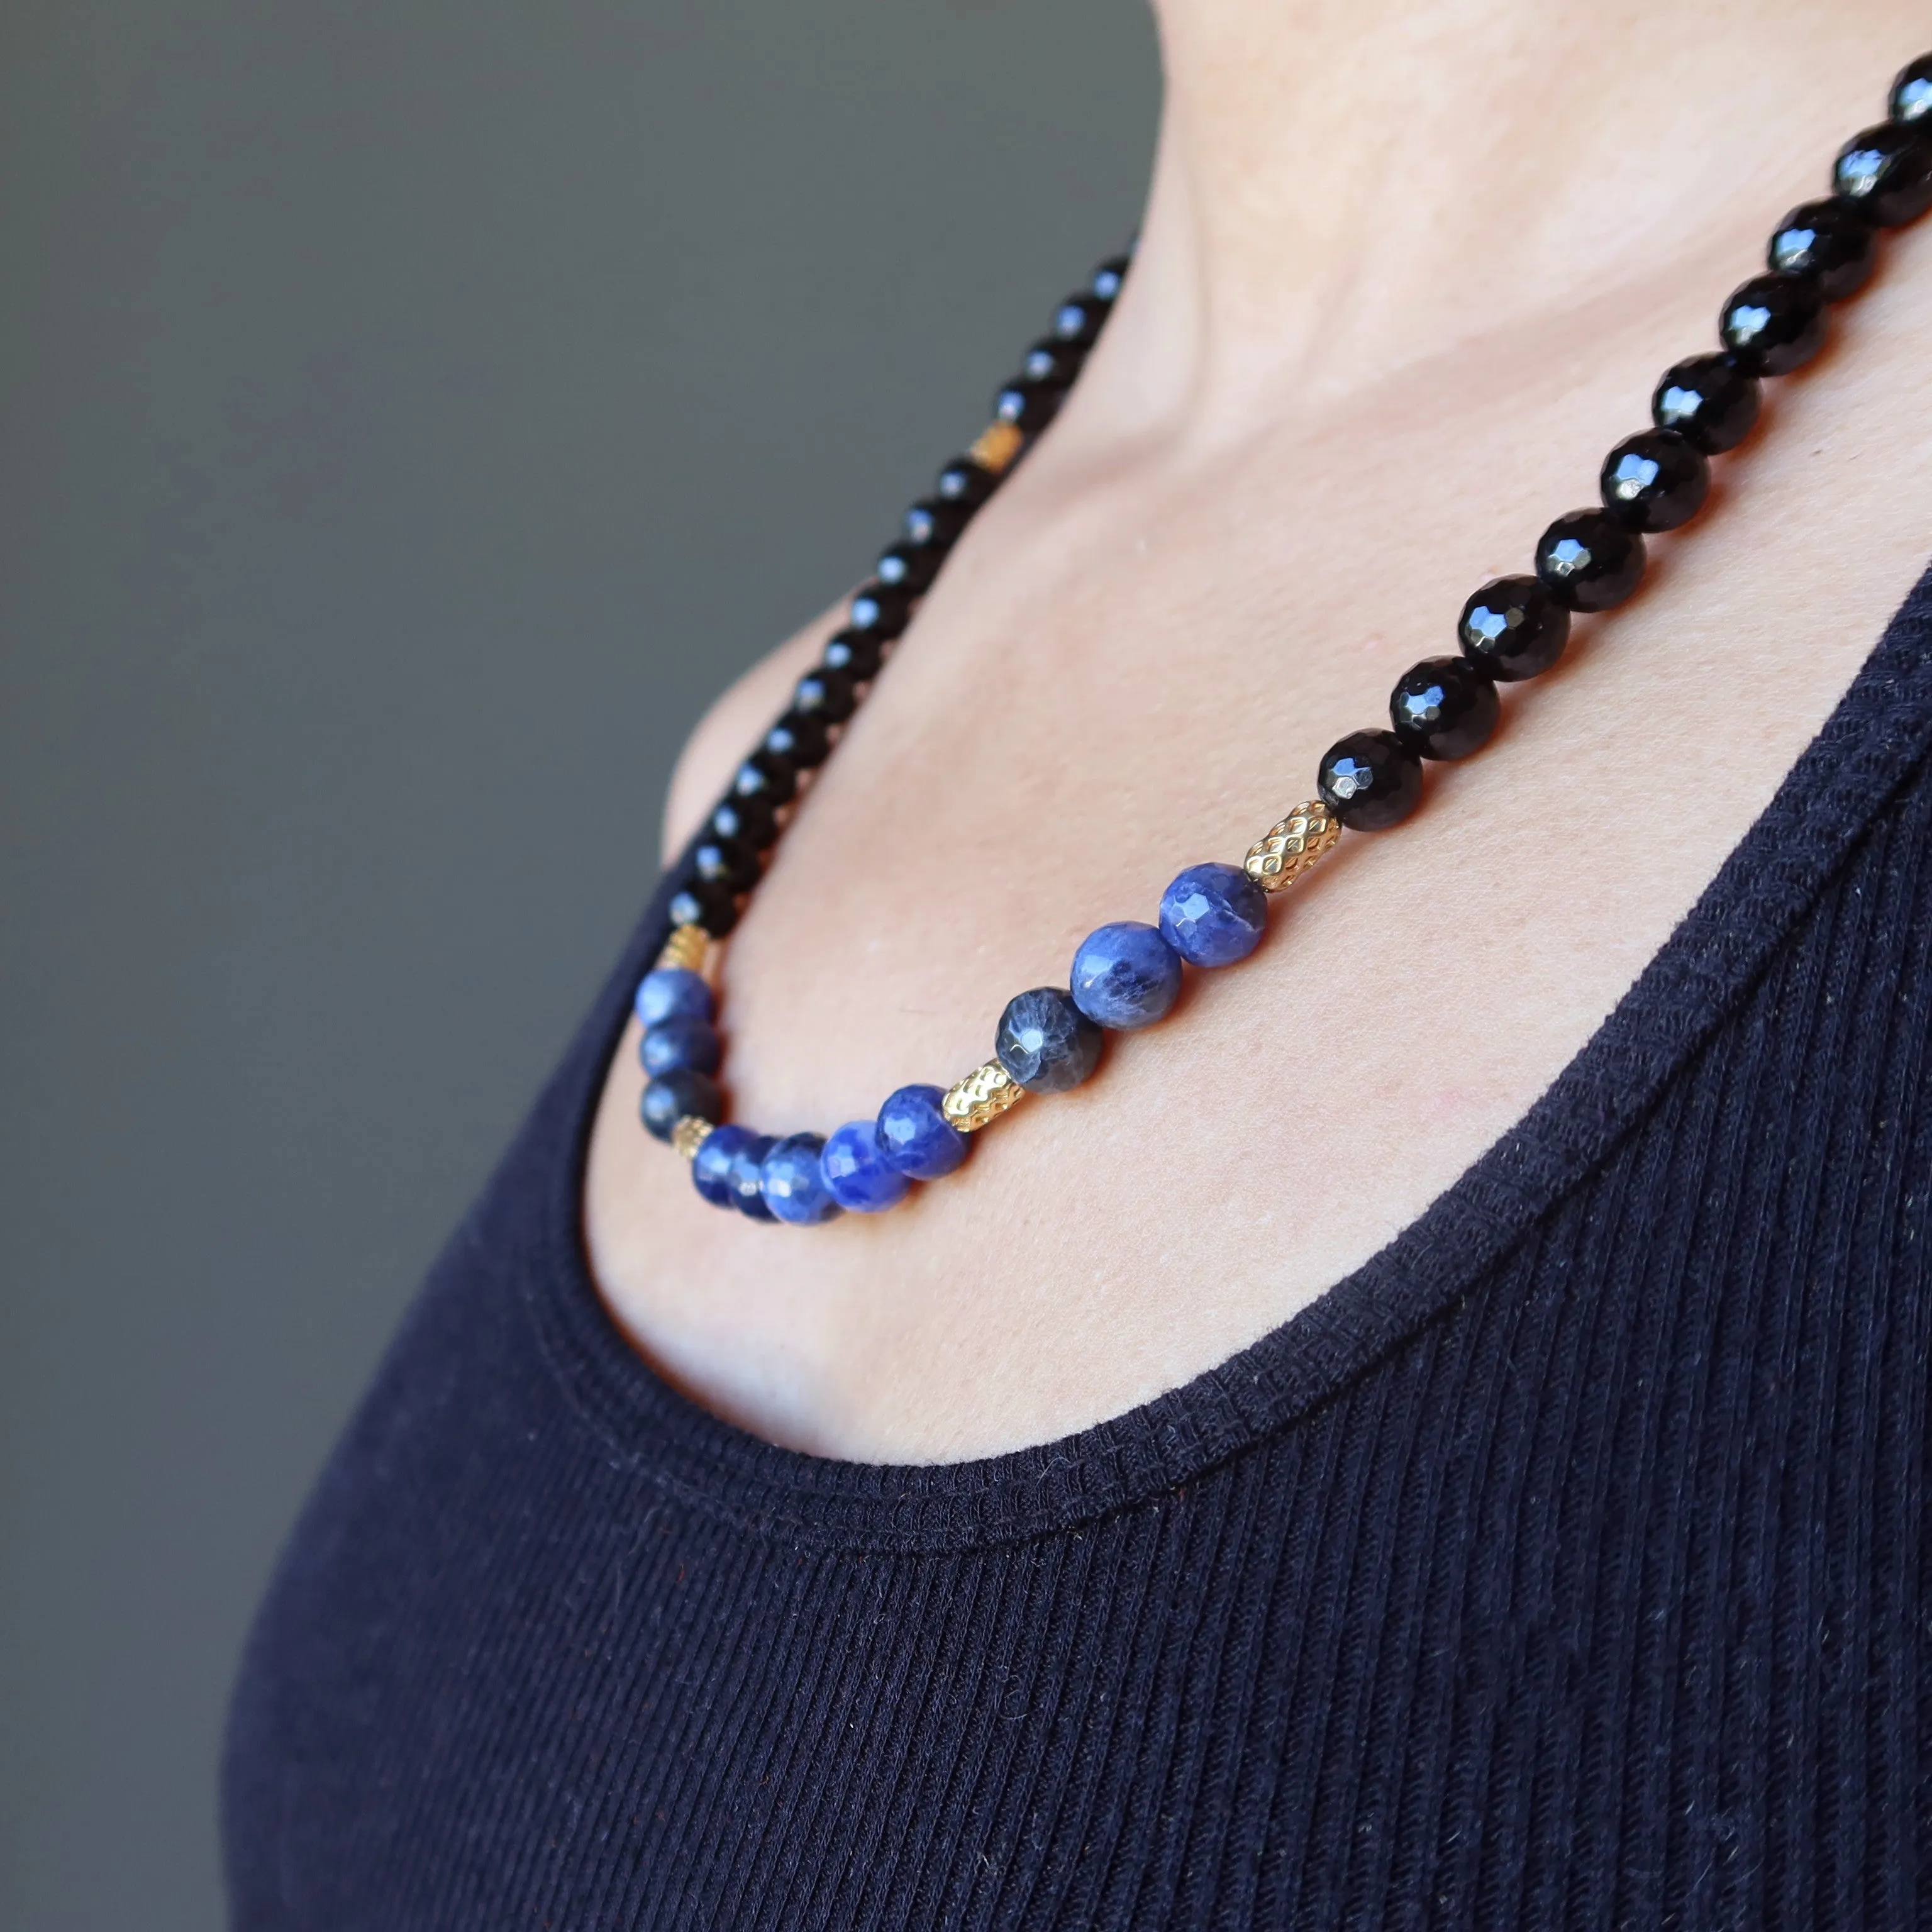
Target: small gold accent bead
point(996, 445)
point(984, 1095)
point(1278, 859)
point(686, 947)
point(688, 1136)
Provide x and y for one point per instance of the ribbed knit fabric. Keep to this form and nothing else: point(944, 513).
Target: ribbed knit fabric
point(1566, 1566)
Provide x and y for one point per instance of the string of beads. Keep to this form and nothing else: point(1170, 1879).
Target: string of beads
point(1126, 975)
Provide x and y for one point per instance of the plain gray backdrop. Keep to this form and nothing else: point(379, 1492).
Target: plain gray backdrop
point(411, 413)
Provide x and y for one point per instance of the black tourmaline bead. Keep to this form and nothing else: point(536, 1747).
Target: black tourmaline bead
point(882, 609)
point(1589, 560)
point(670, 1096)
point(1370, 780)
point(766, 775)
point(905, 567)
point(1655, 480)
point(858, 654)
point(1029, 406)
point(825, 695)
point(700, 904)
point(729, 862)
point(1828, 242)
point(934, 523)
point(1513, 628)
point(1911, 99)
point(1709, 400)
point(1886, 172)
point(1773, 324)
point(966, 482)
point(1078, 319)
point(1046, 1042)
point(753, 821)
point(1109, 275)
point(800, 739)
point(1051, 362)
point(1443, 708)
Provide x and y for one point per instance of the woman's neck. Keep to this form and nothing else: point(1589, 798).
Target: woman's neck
point(1345, 187)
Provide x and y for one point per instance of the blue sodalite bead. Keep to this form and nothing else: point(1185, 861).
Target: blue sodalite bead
point(748, 1173)
point(916, 1136)
point(795, 1189)
point(711, 1166)
point(680, 1041)
point(669, 1097)
point(1126, 975)
point(1212, 915)
point(672, 992)
point(855, 1171)
point(1046, 1042)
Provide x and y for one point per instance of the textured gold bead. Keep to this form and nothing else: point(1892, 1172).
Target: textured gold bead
point(686, 947)
point(1287, 850)
point(984, 1095)
point(688, 1136)
point(996, 445)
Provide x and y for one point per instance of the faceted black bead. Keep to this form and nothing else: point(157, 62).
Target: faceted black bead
point(1655, 480)
point(1048, 361)
point(1911, 97)
point(1369, 780)
point(1589, 560)
point(1513, 628)
point(1078, 319)
point(882, 609)
point(1886, 172)
point(1028, 406)
point(702, 903)
point(965, 482)
point(905, 567)
point(1828, 242)
point(1443, 708)
point(1773, 324)
point(754, 820)
point(766, 775)
point(1709, 400)
point(800, 739)
point(828, 694)
point(1109, 275)
point(670, 1096)
point(857, 653)
point(1046, 1042)
point(934, 523)
point(729, 862)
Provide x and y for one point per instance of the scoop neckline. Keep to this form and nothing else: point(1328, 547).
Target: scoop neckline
point(1862, 755)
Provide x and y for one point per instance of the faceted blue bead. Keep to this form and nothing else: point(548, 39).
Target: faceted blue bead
point(1126, 975)
point(668, 992)
point(1046, 1041)
point(680, 1041)
point(747, 1175)
point(795, 1189)
point(855, 1171)
point(917, 1137)
point(711, 1166)
point(1213, 914)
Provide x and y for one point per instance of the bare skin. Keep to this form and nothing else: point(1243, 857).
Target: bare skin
point(1409, 269)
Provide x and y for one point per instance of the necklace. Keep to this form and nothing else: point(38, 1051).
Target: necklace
point(1127, 974)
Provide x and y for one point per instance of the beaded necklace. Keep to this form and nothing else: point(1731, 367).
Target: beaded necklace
point(1127, 974)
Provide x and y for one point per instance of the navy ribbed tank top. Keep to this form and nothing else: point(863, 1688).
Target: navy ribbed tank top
point(1567, 1566)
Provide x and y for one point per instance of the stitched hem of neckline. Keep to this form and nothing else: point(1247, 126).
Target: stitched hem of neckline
point(1864, 754)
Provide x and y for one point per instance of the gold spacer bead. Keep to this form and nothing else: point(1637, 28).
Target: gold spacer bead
point(689, 1135)
point(984, 1095)
point(686, 947)
point(996, 445)
point(1287, 850)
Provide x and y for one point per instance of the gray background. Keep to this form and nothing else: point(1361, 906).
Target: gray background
point(411, 413)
